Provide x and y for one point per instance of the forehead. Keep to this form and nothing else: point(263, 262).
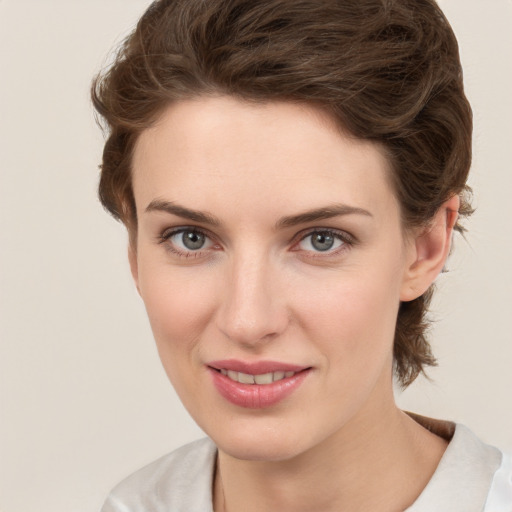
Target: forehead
point(214, 149)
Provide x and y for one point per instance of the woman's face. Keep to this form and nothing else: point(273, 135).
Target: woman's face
point(269, 245)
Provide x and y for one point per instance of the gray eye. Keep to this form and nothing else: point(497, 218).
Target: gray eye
point(193, 240)
point(189, 240)
point(322, 241)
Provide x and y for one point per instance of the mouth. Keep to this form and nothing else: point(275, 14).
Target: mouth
point(256, 385)
point(262, 378)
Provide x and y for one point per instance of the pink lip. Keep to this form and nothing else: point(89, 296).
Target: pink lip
point(256, 396)
point(255, 368)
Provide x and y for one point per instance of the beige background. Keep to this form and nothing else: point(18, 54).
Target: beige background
point(83, 400)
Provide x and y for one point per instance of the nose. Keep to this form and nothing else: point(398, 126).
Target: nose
point(253, 306)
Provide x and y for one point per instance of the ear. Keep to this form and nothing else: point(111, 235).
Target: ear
point(132, 258)
point(428, 250)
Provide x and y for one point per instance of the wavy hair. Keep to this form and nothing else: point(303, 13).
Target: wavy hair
point(387, 71)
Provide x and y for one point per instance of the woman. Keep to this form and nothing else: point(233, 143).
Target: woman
point(290, 174)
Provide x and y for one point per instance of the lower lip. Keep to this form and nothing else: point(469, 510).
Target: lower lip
point(257, 396)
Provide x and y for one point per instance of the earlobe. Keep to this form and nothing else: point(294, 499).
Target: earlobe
point(429, 250)
point(132, 258)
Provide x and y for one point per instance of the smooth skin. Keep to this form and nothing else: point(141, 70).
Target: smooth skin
point(229, 268)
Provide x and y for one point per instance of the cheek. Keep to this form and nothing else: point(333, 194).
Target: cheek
point(353, 317)
point(179, 305)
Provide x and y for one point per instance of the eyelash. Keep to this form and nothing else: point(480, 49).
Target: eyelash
point(347, 241)
point(167, 234)
point(344, 237)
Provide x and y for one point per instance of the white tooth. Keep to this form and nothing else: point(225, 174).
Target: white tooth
point(224, 372)
point(245, 378)
point(233, 375)
point(289, 374)
point(278, 376)
point(264, 378)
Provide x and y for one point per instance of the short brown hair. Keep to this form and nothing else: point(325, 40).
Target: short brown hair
point(386, 70)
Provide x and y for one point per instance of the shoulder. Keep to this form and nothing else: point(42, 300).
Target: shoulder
point(500, 493)
point(487, 466)
point(471, 476)
point(179, 481)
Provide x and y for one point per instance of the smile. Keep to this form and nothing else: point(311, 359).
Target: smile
point(256, 385)
point(262, 378)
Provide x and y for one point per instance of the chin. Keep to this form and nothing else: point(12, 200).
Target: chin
point(259, 450)
point(259, 444)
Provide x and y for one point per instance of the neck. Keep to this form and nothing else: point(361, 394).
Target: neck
point(380, 460)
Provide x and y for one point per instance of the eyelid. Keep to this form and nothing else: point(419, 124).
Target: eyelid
point(340, 233)
point(168, 232)
point(165, 236)
point(348, 240)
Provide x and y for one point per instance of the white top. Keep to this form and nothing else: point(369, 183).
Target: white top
point(471, 477)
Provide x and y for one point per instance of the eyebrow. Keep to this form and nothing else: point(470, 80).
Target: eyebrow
point(180, 211)
point(328, 212)
point(316, 214)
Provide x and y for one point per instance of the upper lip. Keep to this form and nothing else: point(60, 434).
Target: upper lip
point(255, 367)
